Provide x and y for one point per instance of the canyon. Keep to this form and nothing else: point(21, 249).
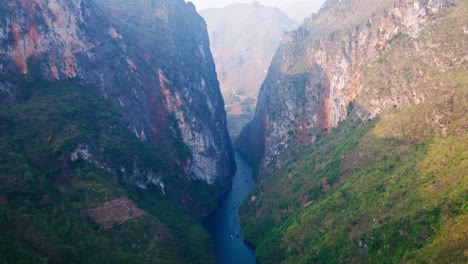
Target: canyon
point(243, 40)
point(114, 133)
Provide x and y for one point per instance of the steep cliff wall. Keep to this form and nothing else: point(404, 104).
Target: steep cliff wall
point(387, 182)
point(317, 75)
point(150, 59)
point(113, 136)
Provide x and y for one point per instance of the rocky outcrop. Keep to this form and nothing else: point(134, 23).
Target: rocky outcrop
point(318, 74)
point(115, 212)
point(150, 59)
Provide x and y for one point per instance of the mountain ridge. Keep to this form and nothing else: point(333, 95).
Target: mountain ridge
point(113, 132)
point(327, 73)
point(147, 110)
point(359, 138)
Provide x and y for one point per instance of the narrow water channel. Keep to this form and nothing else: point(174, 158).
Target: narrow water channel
point(224, 223)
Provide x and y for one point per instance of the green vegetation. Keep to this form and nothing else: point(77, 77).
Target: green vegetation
point(355, 197)
point(393, 190)
point(44, 196)
point(239, 114)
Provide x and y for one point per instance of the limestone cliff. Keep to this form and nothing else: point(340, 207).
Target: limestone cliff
point(149, 59)
point(363, 126)
point(319, 73)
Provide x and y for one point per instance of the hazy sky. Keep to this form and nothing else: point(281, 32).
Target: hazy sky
point(203, 4)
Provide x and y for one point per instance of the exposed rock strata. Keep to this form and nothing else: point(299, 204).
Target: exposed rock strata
point(151, 59)
point(317, 75)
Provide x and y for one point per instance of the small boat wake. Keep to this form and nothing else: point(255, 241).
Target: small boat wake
point(224, 223)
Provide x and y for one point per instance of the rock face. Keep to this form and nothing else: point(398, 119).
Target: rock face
point(358, 193)
point(243, 38)
point(317, 74)
point(115, 212)
point(150, 59)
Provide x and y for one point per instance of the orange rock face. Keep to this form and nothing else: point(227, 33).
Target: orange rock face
point(317, 73)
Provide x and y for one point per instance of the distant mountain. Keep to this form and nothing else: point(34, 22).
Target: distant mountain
point(298, 10)
point(244, 38)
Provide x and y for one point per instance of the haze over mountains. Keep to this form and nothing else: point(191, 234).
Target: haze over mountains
point(295, 9)
point(243, 40)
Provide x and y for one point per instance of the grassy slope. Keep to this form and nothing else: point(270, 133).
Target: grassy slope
point(386, 191)
point(43, 195)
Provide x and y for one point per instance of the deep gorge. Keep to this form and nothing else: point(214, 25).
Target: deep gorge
point(114, 141)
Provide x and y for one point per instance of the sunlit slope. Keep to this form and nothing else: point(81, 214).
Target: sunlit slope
point(390, 190)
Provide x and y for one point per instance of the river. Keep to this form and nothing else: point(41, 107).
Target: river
point(224, 222)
